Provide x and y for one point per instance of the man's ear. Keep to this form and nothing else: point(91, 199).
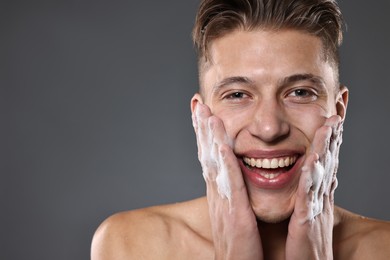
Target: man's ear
point(197, 98)
point(342, 101)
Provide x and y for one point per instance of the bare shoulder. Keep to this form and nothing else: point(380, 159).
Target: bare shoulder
point(160, 232)
point(358, 237)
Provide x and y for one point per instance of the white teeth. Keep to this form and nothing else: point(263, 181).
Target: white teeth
point(281, 163)
point(270, 175)
point(272, 163)
point(266, 164)
point(253, 162)
point(287, 161)
point(258, 163)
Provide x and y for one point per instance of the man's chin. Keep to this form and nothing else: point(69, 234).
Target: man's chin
point(273, 218)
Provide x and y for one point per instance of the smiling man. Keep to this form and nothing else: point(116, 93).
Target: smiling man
point(268, 120)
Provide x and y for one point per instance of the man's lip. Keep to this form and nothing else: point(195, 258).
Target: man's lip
point(284, 179)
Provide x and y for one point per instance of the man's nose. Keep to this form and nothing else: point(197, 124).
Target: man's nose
point(269, 122)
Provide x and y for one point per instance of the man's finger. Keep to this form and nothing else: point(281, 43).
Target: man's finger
point(308, 187)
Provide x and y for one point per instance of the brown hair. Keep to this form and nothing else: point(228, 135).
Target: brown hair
point(321, 18)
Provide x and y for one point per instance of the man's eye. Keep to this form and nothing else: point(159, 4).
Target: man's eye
point(235, 95)
point(301, 93)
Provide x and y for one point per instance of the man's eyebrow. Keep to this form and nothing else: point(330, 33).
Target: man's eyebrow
point(302, 77)
point(283, 82)
point(232, 80)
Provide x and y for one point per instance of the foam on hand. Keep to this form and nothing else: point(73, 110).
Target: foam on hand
point(318, 178)
point(321, 174)
point(222, 179)
point(223, 184)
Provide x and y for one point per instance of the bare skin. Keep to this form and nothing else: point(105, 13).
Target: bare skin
point(269, 128)
point(183, 231)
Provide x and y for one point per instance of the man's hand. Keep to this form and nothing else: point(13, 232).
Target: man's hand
point(311, 225)
point(233, 223)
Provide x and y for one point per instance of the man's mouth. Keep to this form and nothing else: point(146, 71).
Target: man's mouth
point(270, 168)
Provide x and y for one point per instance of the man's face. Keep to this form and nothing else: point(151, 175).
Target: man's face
point(272, 90)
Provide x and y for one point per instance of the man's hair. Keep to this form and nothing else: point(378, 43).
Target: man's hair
point(321, 18)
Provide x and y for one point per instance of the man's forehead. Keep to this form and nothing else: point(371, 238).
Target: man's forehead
point(259, 39)
point(236, 51)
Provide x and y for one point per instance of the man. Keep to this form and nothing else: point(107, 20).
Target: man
point(268, 120)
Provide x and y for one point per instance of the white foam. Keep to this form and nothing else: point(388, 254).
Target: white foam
point(322, 175)
point(223, 184)
point(318, 178)
point(222, 179)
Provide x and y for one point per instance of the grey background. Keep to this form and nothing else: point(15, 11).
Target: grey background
point(95, 116)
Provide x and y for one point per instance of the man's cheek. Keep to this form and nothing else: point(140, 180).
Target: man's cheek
point(233, 123)
point(307, 124)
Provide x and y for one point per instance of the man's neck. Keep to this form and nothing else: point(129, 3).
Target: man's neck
point(273, 237)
